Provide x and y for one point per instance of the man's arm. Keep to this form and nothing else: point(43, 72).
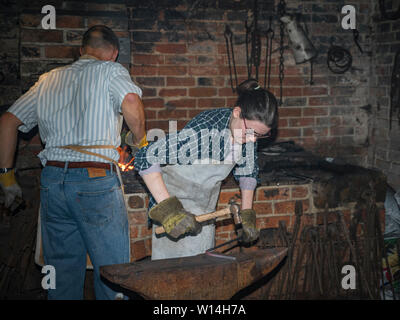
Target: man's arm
point(133, 112)
point(9, 124)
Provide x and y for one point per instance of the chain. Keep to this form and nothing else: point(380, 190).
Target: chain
point(281, 13)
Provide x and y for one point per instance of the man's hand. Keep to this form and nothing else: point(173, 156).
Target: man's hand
point(135, 147)
point(250, 232)
point(10, 187)
point(174, 218)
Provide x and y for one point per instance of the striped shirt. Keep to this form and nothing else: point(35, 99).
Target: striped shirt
point(78, 104)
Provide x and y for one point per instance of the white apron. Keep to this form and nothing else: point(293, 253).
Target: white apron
point(197, 186)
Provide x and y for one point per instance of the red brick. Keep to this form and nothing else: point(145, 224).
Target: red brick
point(171, 48)
point(292, 92)
point(293, 70)
point(150, 114)
point(157, 124)
point(34, 35)
point(137, 217)
point(289, 112)
point(149, 92)
point(182, 103)
point(203, 71)
point(299, 192)
point(226, 92)
point(172, 92)
point(145, 231)
point(62, 52)
point(272, 222)
point(284, 207)
point(273, 193)
point(148, 59)
point(134, 231)
point(283, 123)
point(290, 81)
point(262, 208)
point(302, 122)
point(70, 22)
point(315, 132)
point(315, 91)
point(202, 92)
point(172, 70)
point(211, 103)
point(30, 20)
point(180, 82)
point(172, 114)
point(193, 113)
point(285, 133)
point(144, 70)
point(153, 103)
point(225, 196)
point(135, 202)
point(307, 112)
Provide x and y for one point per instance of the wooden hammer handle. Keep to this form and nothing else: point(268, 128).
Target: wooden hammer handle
point(203, 217)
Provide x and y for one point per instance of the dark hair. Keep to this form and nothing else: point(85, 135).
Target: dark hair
point(257, 103)
point(100, 36)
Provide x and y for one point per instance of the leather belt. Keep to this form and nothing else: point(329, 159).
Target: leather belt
point(84, 164)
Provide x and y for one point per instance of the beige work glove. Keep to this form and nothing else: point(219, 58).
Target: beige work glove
point(135, 147)
point(10, 187)
point(250, 232)
point(174, 218)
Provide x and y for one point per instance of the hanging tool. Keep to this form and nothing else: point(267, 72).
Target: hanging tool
point(356, 35)
point(339, 59)
point(395, 90)
point(253, 44)
point(281, 13)
point(302, 48)
point(232, 209)
point(231, 56)
point(268, 54)
point(248, 59)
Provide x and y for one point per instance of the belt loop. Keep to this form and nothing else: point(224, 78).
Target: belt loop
point(66, 167)
point(111, 168)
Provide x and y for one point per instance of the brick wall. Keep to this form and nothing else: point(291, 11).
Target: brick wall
point(384, 151)
point(180, 60)
point(272, 204)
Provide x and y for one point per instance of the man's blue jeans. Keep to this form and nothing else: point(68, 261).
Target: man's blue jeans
point(81, 215)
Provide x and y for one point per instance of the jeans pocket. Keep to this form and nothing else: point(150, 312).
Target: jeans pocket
point(97, 207)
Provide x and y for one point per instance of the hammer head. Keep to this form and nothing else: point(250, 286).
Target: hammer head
point(235, 210)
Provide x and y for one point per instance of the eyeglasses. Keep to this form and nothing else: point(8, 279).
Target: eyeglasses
point(252, 132)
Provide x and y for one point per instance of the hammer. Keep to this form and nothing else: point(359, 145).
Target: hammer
point(233, 208)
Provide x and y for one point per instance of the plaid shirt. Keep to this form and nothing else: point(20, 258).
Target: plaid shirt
point(214, 121)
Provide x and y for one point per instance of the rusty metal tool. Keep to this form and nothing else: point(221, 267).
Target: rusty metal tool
point(232, 209)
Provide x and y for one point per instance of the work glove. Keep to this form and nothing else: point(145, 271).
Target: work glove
point(135, 147)
point(10, 187)
point(174, 218)
point(250, 232)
